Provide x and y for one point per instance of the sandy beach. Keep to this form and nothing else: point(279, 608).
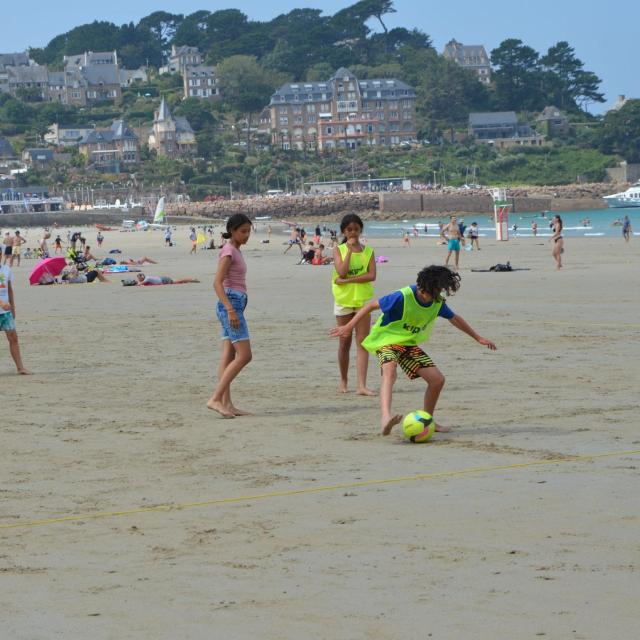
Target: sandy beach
point(301, 521)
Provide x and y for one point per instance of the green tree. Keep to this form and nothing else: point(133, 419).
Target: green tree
point(246, 86)
point(163, 27)
point(567, 84)
point(319, 72)
point(517, 76)
point(620, 132)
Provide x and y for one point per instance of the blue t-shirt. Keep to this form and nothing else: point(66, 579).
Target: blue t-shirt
point(392, 307)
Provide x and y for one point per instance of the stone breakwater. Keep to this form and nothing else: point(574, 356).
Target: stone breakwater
point(281, 206)
point(394, 204)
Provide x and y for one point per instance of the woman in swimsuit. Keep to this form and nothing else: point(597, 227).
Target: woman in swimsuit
point(558, 241)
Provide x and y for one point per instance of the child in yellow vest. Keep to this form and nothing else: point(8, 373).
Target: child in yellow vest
point(354, 271)
point(407, 319)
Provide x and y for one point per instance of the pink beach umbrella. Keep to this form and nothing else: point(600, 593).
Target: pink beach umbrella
point(52, 266)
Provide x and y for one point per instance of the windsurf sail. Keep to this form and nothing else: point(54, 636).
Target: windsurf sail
point(160, 214)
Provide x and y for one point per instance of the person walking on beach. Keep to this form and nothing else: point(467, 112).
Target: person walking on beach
point(231, 288)
point(8, 317)
point(354, 271)
point(16, 251)
point(534, 228)
point(452, 235)
point(473, 235)
point(193, 236)
point(43, 245)
point(408, 317)
point(99, 239)
point(557, 240)
point(626, 228)
point(7, 246)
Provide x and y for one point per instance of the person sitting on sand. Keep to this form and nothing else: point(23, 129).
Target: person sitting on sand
point(319, 257)
point(134, 263)
point(308, 254)
point(73, 276)
point(88, 255)
point(149, 281)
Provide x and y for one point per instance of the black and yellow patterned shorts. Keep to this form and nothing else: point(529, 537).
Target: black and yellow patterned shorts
point(410, 358)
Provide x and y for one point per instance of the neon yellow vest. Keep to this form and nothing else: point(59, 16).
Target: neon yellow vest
point(414, 327)
point(356, 294)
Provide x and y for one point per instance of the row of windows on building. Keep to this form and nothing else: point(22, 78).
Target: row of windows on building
point(378, 115)
point(351, 95)
point(352, 106)
point(332, 130)
point(311, 145)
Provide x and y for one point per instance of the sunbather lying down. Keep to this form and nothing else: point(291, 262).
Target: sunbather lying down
point(132, 262)
point(148, 281)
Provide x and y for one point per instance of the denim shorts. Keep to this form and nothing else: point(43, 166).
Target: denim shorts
point(7, 323)
point(238, 301)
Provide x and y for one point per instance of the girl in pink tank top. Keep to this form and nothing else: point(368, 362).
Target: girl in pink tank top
point(231, 288)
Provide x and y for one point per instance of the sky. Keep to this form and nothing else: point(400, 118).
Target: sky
point(603, 36)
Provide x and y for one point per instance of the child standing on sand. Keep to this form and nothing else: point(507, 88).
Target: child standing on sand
point(231, 288)
point(407, 319)
point(354, 271)
point(7, 317)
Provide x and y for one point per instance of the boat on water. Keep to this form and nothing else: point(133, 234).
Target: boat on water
point(628, 198)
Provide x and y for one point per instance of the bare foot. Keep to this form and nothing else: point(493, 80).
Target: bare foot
point(388, 422)
point(364, 391)
point(440, 428)
point(239, 412)
point(220, 408)
point(342, 387)
point(24, 372)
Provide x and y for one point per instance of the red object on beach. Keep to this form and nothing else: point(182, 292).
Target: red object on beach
point(52, 266)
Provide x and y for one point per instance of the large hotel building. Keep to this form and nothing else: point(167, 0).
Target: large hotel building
point(342, 112)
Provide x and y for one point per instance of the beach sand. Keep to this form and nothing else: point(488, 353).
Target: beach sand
point(301, 521)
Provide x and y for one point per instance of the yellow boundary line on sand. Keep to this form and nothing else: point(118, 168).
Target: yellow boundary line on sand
point(293, 492)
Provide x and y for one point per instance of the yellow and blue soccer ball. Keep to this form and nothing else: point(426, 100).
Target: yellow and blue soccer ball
point(418, 426)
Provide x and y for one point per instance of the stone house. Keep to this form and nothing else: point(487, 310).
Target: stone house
point(502, 130)
point(66, 135)
point(111, 150)
point(171, 136)
point(553, 122)
point(182, 57)
point(34, 78)
point(100, 71)
point(200, 82)
point(343, 112)
point(38, 157)
point(473, 57)
point(130, 77)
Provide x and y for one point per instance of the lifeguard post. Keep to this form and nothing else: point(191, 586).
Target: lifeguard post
point(501, 213)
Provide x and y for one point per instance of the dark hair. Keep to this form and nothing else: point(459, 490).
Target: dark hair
point(435, 279)
point(235, 221)
point(350, 218)
point(559, 219)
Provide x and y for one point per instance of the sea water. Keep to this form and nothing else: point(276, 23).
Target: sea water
point(589, 223)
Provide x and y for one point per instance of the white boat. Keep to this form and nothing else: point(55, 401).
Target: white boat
point(628, 198)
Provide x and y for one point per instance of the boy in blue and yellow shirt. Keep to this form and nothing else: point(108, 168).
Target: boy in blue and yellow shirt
point(407, 319)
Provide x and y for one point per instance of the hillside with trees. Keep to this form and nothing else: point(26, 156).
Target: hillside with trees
point(253, 58)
